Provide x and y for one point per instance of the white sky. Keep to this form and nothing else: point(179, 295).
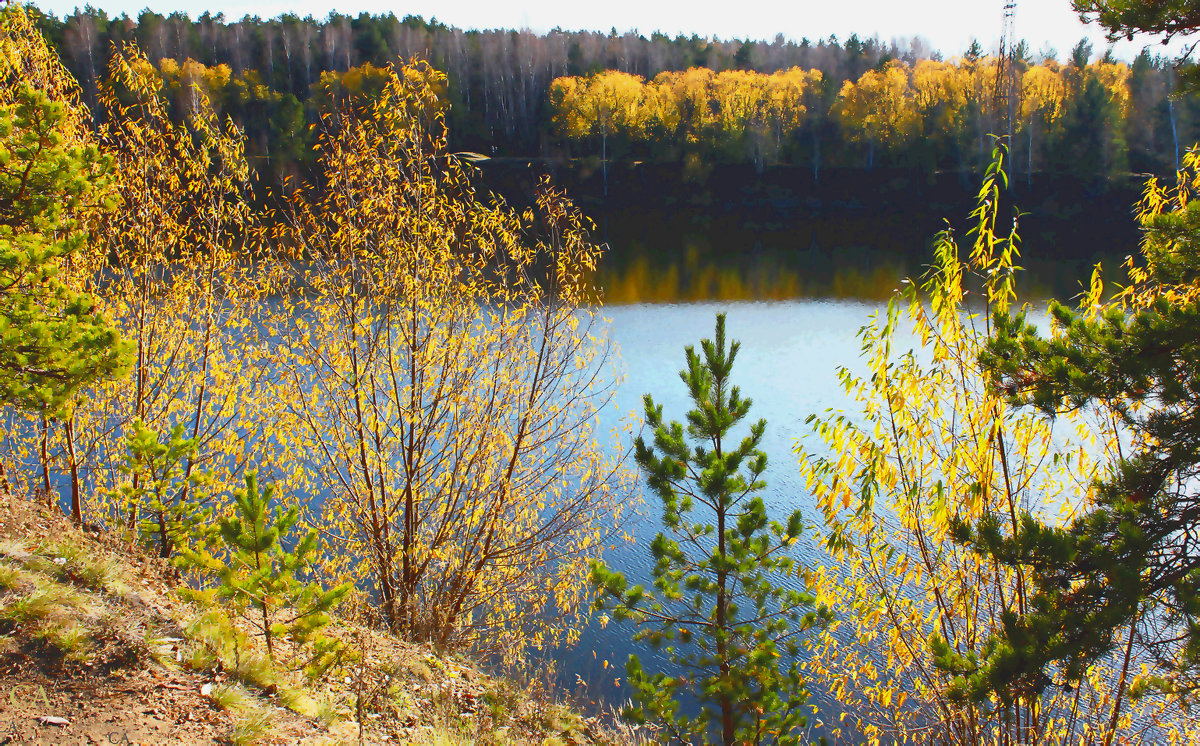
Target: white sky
point(947, 25)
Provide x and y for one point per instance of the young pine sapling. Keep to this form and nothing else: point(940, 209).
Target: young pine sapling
point(262, 579)
point(718, 608)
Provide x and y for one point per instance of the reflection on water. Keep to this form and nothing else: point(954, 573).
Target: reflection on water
point(779, 267)
point(641, 281)
point(691, 280)
point(689, 256)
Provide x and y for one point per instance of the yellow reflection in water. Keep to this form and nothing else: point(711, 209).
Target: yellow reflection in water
point(642, 282)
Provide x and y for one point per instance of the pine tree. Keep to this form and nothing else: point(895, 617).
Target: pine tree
point(717, 607)
point(1122, 19)
point(262, 579)
point(52, 340)
point(171, 502)
point(1126, 571)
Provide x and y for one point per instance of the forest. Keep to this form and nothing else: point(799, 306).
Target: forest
point(260, 324)
point(815, 103)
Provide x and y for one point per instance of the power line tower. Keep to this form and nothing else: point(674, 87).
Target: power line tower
point(1004, 100)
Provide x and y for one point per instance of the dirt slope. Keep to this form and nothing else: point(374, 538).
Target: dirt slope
point(97, 647)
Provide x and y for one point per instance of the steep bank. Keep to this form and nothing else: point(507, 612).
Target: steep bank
point(96, 646)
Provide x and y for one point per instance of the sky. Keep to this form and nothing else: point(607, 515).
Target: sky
point(946, 25)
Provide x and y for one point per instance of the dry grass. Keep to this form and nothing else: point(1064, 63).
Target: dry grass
point(48, 611)
point(74, 594)
point(251, 725)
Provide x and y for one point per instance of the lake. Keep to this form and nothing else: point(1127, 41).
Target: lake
point(787, 364)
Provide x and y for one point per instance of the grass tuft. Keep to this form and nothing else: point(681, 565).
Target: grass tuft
point(298, 701)
point(329, 710)
point(53, 613)
point(13, 548)
point(196, 657)
point(217, 640)
point(231, 696)
point(438, 736)
point(251, 725)
point(70, 639)
point(70, 563)
point(162, 651)
point(257, 670)
point(12, 578)
point(48, 601)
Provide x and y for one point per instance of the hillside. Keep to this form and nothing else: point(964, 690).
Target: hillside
point(96, 646)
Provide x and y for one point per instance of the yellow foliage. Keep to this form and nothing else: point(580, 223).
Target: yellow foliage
point(172, 268)
point(1114, 76)
point(415, 365)
point(879, 105)
point(599, 104)
point(933, 442)
point(1043, 93)
point(25, 57)
point(442, 377)
point(757, 112)
point(359, 89)
point(737, 107)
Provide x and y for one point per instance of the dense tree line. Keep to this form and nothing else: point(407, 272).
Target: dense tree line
point(275, 76)
point(498, 79)
point(1090, 119)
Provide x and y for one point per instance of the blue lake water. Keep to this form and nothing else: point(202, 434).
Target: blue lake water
point(788, 362)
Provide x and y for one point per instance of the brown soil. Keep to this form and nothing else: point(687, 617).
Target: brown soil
point(120, 694)
point(131, 682)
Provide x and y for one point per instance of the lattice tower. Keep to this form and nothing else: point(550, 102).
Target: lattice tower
point(1003, 92)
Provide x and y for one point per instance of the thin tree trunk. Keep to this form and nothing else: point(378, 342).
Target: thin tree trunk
point(76, 498)
point(378, 517)
point(728, 733)
point(1116, 713)
point(1174, 131)
point(816, 158)
point(203, 392)
point(142, 375)
point(45, 449)
point(604, 157)
point(164, 546)
point(262, 603)
point(727, 721)
point(1029, 160)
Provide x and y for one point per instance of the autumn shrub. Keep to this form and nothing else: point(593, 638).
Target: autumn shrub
point(932, 444)
point(171, 262)
point(416, 366)
point(443, 376)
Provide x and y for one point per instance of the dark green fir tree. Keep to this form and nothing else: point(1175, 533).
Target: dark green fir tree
point(718, 609)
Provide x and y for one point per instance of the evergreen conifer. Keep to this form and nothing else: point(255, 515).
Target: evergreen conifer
point(170, 500)
point(717, 608)
point(1130, 560)
point(52, 340)
point(263, 580)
